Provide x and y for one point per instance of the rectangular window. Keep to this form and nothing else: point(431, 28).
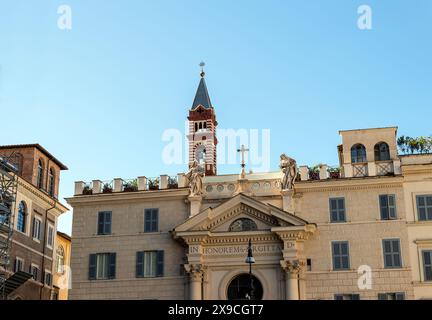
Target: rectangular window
point(151, 220)
point(50, 236)
point(424, 207)
point(34, 271)
point(149, 264)
point(36, 228)
point(102, 266)
point(391, 296)
point(309, 264)
point(427, 265)
point(104, 222)
point(18, 265)
point(347, 297)
point(340, 252)
point(48, 278)
point(387, 207)
point(392, 253)
point(337, 210)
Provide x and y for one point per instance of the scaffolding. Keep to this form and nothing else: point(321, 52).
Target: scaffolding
point(8, 189)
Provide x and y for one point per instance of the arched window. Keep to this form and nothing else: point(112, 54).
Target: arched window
point(60, 259)
point(358, 153)
point(51, 180)
point(245, 287)
point(196, 126)
point(40, 174)
point(21, 216)
point(243, 224)
point(382, 152)
point(200, 154)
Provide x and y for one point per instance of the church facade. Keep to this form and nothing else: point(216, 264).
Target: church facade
point(359, 231)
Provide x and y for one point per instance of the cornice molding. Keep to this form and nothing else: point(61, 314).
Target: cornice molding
point(225, 239)
point(127, 196)
point(342, 185)
point(41, 195)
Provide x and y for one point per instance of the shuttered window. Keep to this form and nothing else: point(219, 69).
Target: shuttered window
point(337, 210)
point(387, 207)
point(424, 207)
point(347, 297)
point(104, 222)
point(102, 266)
point(340, 251)
point(149, 264)
point(151, 220)
point(391, 296)
point(427, 265)
point(392, 253)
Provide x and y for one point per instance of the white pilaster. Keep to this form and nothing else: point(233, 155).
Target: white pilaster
point(288, 201)
point(163, 181)
point(79, 187)
point(323, 173)
point(195, 205)
point(304, 173)
point(97, 186)
point(142, 183)
point(118, 185)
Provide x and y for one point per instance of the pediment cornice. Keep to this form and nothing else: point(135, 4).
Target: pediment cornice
point(212, 218)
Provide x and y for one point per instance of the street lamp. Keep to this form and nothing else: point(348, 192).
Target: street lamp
point(250, 260)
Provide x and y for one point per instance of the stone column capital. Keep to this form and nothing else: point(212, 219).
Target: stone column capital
point(195, 271)
point(292, 267)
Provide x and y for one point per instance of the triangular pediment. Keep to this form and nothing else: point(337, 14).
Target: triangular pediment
point(218, 218)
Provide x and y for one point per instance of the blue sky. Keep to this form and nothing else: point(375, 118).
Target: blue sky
point(100, 96)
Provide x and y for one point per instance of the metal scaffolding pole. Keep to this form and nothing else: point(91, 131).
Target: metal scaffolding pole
point(8, 190)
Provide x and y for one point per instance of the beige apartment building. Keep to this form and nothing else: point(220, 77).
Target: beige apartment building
point(362, 230)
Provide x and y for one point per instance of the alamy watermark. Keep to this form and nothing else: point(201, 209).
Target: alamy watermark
point(176, 149)
point(364, 282)
point(364, 21)
point(64, 21)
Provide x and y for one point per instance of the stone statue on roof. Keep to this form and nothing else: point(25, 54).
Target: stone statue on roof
point(289, 169)
point(195, 176)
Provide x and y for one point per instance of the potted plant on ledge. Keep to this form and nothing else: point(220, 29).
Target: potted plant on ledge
point(314, 173)
point(153, 184)
point(334, 173)
point(172, 183)
point(130, 186)
point(87, 190)
point(107, 188)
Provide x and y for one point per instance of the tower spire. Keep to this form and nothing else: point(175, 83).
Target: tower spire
point(202, 96)
point(202, 129)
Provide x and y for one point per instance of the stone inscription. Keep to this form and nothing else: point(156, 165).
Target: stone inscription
point(242, 250)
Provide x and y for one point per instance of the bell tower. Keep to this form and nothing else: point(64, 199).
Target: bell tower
point(202, 129)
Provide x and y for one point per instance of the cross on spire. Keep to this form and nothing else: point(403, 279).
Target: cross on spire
point(243, 150)
point(202, 65)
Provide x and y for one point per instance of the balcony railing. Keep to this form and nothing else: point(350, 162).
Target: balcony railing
point(384, 168)
point(360, 170)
